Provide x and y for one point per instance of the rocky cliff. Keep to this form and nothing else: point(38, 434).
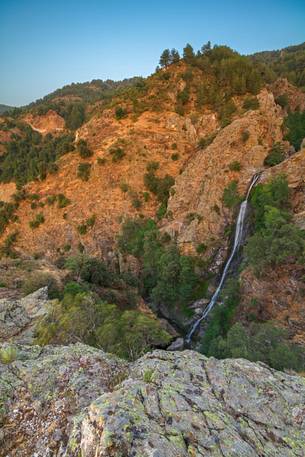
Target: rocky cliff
point(76, 400)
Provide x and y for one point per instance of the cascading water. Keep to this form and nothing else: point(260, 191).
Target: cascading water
point(237, 240)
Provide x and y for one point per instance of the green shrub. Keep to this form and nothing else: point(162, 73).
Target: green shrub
point(245, 135)
point(201, 248)
point(251, 103)
point(231, 197)
point(175, 156)
point(83, 149)
point(148, 375)
point(282, 100)
point(83, 171)
point(124, 187)
point(260, 342)
point(152, 166)
point(62, 201)
point(82, 229)
point(81, 317)
point(117, 154)
point(91, 221)
point(101, 161)
point(51, 199)
point(8, 354)
point(7, 214)
point(120, 112)
point(206, 141)
point(7, 247)
point(275, 156)
point(235, 166)
point(295, 124)
point(159, 186)
point(32, 156)
point(39, 219)
point(37, 280)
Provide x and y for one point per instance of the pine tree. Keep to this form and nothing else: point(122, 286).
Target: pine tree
point(188, 53)
point(165, 58)
point(174, 56)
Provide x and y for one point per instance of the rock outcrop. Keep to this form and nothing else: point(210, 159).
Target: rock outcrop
point(76, 400)
point(18, 317)
point(199, 188)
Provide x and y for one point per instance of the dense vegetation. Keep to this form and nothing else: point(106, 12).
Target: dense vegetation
point(295, 124)
point(167, 277)
point(276, 240)
point(82, 314)
point(31, 156)
point(288, 63)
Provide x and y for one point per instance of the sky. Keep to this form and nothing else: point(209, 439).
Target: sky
point(45, 44)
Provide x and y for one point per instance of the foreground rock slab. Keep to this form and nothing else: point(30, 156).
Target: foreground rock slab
point(77, 400)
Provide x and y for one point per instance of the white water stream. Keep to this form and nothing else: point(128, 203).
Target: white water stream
point(239, 230)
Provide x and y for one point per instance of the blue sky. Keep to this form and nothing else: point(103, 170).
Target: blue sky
point(45, 44)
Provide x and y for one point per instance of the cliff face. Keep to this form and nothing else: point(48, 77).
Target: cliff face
point(76, 400)
point(199, 189)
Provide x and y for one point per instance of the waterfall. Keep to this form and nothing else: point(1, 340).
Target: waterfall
point(237, 240)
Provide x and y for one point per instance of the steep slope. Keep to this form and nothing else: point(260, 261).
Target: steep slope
point(74, 400)
point(199, 189)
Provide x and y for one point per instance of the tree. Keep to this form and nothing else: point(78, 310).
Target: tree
point(174, 56)
point(206, 47)
point(75, 116)
point(165, 58)
point(188, 53)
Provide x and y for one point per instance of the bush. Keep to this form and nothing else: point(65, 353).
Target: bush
point(201, 248)
point(275, 156)
point(235, 166)
point(120, 113)
point(7, 247)
point(251, 103)
point(101, 161)
point(51, 199)
point(245, 136)
point(32, 156)
point(295, 124)
point(175, 156)
point(231, 198)
point(39, 219)
point(38, 280)
point(117, 154)
point(62, 201)
point(82, 229)
point(275, 240)
point(261, 342)
point(282, 100)
point(206, 141)
point(83, 171)
point(81, 317)
point(167, 276)
point(83, 149)
point(159, 186)
point(8, 354)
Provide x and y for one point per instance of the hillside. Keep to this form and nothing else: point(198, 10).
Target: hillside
point(4, 108)
point(287, 62)
point(123, 197)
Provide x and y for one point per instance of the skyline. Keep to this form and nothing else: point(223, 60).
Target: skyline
point(48, 45)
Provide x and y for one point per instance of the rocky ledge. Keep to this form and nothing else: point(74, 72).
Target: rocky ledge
point(78, 401)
